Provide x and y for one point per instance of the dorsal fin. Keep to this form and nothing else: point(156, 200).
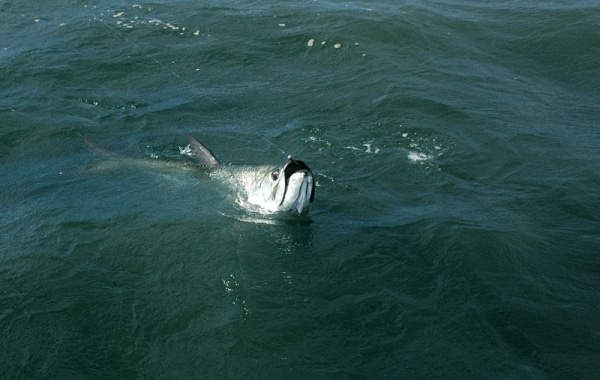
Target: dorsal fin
point(201, 153)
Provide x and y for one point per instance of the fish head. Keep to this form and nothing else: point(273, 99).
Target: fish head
point(288, 188)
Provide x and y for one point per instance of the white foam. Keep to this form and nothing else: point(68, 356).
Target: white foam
point(418, 157)
point(369, 148)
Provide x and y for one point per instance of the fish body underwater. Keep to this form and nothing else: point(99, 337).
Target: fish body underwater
point(264, 189)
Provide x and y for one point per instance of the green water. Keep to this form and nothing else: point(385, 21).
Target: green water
point(455, 231)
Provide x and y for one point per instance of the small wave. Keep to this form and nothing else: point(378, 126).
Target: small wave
point(369, 148)
point(418, 157)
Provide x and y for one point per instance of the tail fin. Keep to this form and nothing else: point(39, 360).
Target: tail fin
point(94, 147)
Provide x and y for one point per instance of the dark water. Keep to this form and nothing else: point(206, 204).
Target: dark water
point(456, 227)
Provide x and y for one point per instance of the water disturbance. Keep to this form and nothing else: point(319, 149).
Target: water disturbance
point(455, 229)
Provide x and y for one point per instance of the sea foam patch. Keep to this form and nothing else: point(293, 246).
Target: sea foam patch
point(139, 15)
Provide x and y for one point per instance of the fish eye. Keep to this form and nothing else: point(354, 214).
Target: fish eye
point(274, 175)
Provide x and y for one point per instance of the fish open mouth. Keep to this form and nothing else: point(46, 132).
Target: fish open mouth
point(294, 166)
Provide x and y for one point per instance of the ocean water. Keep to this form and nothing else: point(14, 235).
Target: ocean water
point(455, 231)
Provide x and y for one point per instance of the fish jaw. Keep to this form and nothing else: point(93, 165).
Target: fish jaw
point(299, 192)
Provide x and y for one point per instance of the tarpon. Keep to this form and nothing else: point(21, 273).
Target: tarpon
point(263, 189)
point(266, 189)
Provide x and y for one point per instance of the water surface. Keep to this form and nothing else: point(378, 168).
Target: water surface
point(455, 231)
